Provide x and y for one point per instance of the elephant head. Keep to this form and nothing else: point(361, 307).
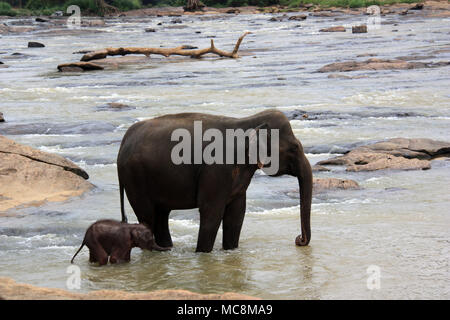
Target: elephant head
point(292, 161)
point(142, 237)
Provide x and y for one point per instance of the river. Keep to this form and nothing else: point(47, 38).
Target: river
point(398, 223)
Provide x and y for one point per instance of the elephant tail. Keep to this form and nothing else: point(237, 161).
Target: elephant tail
point(122, 206)
point(82, 245)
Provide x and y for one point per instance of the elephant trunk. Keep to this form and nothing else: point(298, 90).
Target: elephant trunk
point(305, 183)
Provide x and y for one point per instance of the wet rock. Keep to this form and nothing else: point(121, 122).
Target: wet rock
point(333, 29)
point(92, 23)
point(30, 177)
point(341, 76)
point(2, 119)
point(378, 64)
point(404, 12)
point(366, 55)
point(150, 30)
point(233, 11)
point(33, 44)
point(39, 19)
point(398, 153)
point(417, 6)
point(70, 69)
point(116, 106)
point(323, 14)
point(176, 21)
point(298, 17)
point(318, 168)
point(323, 184)
point(12, 290)
point(2, 65)
point(79, 67)
point(57, 14)
point(359, 29)
point(82, 51)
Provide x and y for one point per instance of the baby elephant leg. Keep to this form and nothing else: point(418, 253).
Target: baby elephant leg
point(120, 255)
point(98, 254)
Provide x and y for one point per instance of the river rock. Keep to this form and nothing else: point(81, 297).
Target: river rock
point(33, 44)
point(150, 30)
point(233, 11)
point(298, 17)
point(30, 177)
point(2, 119)
point(39, 19)
point(417, 6)
point(318, 168)
point(323, 184)
point(92, 23)
point(333, 29)
point(11, 290)
point(398, 153)
point(359, 29)
point(374, 64)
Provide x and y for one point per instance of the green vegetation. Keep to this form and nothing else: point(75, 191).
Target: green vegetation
point(343, 3)
point(90, 7)
point(6, 9)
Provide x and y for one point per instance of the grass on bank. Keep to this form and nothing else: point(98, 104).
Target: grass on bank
point(89, 7)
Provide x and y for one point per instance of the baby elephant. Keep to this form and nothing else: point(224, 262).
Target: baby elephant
point(116, 239)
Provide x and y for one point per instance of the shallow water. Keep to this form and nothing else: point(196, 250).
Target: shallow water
point(399, 221)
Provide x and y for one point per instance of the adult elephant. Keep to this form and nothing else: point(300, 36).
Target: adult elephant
point(155, 185)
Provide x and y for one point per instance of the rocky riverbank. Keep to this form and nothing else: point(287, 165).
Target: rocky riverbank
point(11, 290)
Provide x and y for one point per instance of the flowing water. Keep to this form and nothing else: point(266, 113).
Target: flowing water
point(399, 221)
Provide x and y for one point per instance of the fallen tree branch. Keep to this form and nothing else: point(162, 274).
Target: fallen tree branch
point(180, 51)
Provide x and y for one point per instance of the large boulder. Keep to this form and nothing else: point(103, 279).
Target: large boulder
point(398, 153)
point(31, 177)
point(374, 64)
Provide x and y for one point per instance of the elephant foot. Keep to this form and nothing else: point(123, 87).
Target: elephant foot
point(301, 241)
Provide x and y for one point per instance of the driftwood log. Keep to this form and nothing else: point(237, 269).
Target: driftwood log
point(180, 51)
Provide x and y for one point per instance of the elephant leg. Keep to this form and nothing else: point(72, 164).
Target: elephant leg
point(211, 203)
point(120, 255)
point(233, 219)
point(210, 218)
point(143, 208)
point(161, 229)
point(98, 254)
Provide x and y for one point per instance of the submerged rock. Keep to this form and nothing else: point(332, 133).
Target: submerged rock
point(298, 18)
point(322, 184)
point(30, 177)
point(359, 29)
point(379, 64)
point(333, 29)
point(33, 44)
point(398, 153)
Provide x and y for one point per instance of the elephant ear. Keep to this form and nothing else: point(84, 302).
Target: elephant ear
point(257, 145)
point(135, 236)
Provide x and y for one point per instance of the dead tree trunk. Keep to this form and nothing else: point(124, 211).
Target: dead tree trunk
point(180, 51)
